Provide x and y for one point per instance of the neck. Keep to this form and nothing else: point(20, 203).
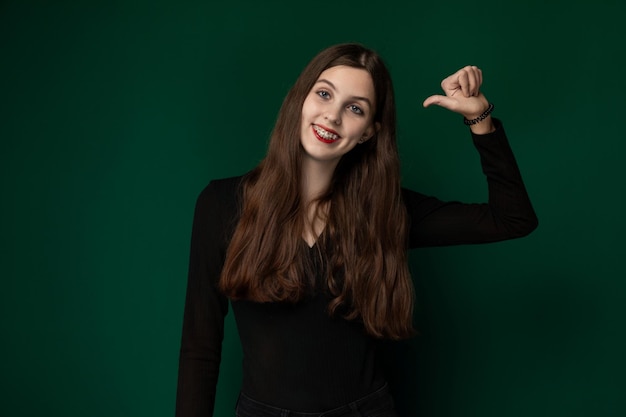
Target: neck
point(316, 177)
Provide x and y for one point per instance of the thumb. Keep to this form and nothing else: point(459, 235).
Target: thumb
point(443, 101)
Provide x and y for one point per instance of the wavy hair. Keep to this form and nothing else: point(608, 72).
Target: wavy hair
point(367, 274)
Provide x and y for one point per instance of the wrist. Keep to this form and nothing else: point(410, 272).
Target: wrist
point(470, 121)
point(484, 127)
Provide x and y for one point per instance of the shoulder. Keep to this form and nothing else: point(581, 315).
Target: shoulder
point(223, 191)
point(220, 201)
point(223, 187)
point(419, 205)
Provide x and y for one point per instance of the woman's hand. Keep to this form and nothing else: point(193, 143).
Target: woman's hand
point(463, 96)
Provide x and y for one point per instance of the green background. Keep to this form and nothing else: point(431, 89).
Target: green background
point(114, 115)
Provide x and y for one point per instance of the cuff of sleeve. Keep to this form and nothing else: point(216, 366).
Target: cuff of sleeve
point(498, 133)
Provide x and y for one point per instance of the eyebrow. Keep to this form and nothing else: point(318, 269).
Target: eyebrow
point(365, 99)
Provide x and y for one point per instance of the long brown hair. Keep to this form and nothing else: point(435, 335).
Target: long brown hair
point(367, 271)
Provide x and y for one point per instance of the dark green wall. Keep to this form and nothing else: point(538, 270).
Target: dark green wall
point(114, 115)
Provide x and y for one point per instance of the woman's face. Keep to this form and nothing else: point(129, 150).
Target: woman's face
point(337, 113)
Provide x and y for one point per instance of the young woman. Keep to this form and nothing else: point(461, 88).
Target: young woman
point(310, 247)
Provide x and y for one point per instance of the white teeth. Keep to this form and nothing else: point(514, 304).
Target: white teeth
point(325, 134)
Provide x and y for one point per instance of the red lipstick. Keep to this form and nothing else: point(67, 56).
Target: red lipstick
point(322, 139)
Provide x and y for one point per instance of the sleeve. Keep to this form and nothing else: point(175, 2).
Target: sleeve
point(205, 308)
point(508, 214)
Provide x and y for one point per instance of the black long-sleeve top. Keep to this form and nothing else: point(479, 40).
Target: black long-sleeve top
point(297, 356)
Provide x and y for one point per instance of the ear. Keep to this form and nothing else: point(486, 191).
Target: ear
point(370, 132)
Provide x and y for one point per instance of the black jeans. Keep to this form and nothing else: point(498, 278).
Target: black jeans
point(376, 404)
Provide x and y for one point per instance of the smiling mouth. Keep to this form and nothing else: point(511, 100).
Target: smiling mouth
point(324, 135)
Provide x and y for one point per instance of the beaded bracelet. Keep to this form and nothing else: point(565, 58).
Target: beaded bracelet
point(479, 118)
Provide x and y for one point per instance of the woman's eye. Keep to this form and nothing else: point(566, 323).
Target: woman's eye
point(323, 94)
point(355, 109)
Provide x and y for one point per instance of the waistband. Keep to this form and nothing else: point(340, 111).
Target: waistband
point(379, 403)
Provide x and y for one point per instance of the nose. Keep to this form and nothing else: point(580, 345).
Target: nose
point(333, 116)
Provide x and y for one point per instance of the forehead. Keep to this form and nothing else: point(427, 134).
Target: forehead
point(349, 81)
